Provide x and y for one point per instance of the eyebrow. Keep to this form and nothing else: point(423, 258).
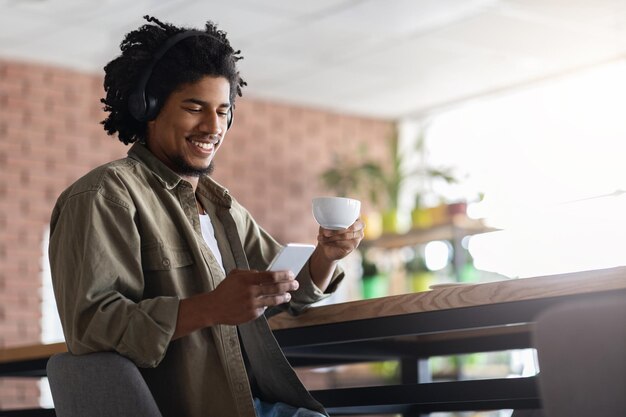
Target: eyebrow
point(203, 103)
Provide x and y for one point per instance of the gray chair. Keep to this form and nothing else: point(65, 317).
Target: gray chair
point(581, 348)
point(98, 385)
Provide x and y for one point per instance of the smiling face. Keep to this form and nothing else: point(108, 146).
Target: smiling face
point(191, 126)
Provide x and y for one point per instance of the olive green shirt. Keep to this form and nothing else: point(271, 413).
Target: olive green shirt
point(126, 247)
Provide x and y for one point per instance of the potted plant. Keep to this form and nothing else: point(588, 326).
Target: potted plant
point(419, 278)
point(387, 183)
point(375, 284)
point(420, 215)
point(371, 180)
point(381, 183)
point(352, 178)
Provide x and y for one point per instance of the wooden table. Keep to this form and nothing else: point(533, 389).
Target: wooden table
point(455, 320)
point(463, 319)
point(28, 361)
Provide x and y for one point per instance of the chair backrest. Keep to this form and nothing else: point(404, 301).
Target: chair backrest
point(581, 348)
point(98, 385)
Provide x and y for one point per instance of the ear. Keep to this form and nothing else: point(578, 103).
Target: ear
point(150, 129)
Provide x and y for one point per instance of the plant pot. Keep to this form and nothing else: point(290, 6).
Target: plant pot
point(420, 281)
point(420, 218)
point(375, 286)
point(457, 209)
point(390, 221)
point(439, 214)
point(373, 225)
point(469, 273)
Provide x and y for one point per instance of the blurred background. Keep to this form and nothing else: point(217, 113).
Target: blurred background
point(484, 137)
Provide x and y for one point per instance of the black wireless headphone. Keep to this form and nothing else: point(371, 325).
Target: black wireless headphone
point(145, 107)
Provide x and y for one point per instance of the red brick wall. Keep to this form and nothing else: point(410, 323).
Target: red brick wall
point(50, 135)
point(275, 153)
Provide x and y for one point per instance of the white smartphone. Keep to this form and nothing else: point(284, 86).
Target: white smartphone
point(292, 257)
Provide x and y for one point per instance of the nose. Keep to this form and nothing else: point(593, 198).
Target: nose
point(211, 123)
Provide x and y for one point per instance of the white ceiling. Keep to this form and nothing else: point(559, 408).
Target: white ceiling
point(381, 58)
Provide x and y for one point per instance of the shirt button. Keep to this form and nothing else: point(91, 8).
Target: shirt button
point(166, 262)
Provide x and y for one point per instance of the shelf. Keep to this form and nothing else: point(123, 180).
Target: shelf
point(459, 227)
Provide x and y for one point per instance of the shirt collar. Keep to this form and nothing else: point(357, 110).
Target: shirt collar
point(169, 179)
point(209, 188)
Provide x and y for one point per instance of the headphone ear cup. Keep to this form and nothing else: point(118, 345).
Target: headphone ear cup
point(152, 108)
point(229, 121)
point(137, 106)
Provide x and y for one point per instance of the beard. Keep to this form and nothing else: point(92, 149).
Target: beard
point(183, 168)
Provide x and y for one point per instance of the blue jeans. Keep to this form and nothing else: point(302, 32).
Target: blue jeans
point(264, 409)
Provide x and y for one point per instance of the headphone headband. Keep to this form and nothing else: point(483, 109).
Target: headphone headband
point(145, 107)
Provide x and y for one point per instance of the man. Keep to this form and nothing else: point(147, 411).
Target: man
point(154, 260)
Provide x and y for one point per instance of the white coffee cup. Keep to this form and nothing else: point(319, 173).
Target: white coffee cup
point(336, 213)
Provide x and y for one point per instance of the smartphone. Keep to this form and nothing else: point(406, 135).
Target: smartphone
point(292, 258)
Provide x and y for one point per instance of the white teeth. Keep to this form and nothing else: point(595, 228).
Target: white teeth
point(203, 145)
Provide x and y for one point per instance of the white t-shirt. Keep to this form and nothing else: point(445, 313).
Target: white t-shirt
point(208, 233)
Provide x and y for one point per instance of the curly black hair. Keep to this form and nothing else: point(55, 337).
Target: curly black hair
point(186, 62)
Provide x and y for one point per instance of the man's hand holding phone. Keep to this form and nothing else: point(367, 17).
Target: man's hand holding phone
point(245, 295)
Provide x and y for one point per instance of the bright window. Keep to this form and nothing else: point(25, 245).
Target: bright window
point(550, 162)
